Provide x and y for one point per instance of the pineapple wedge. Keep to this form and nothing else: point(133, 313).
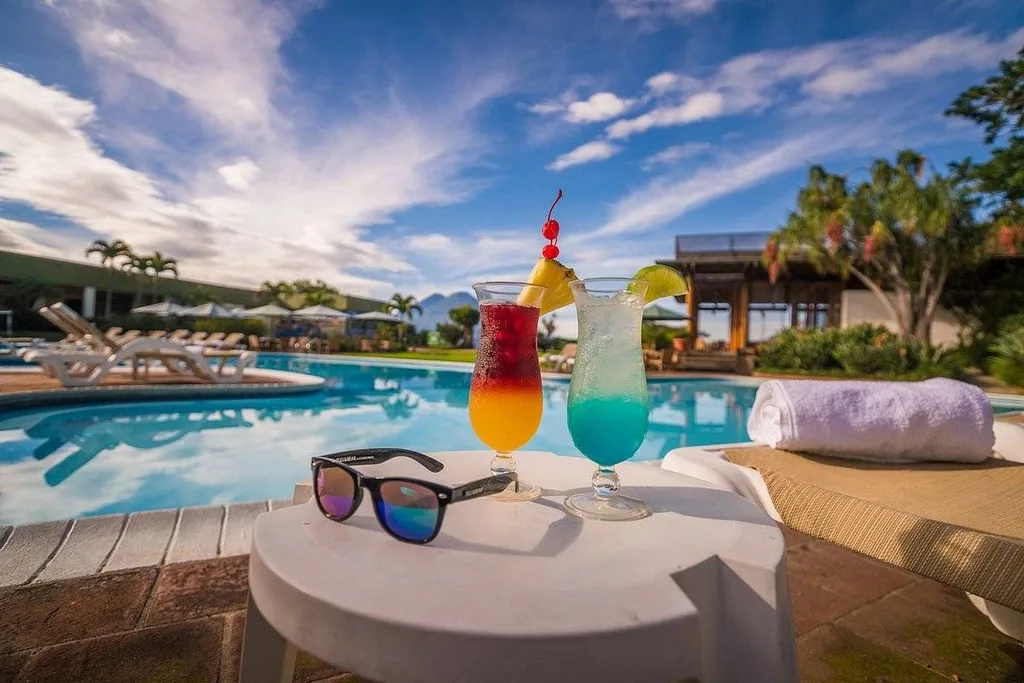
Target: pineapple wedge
point(555, 278)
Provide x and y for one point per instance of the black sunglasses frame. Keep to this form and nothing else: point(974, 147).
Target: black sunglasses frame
point(375, 456)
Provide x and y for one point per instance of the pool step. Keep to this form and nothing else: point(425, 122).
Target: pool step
point(49, 551)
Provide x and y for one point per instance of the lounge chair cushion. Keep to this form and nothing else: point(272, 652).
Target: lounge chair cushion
point(962, 525)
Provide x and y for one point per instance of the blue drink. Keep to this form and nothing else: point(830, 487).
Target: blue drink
point(608, 402)
point(608, 429)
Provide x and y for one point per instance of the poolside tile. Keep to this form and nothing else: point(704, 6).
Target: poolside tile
point(58, 611)
point(10, 665)
point(834, 655)
point(197, 536)
point(938, 627)
point(87, 545)
point(179, 653)
point(814, 605)
point(238, 521)
point(196, 589)
point(231, 650)
point(280, 503)
point(144, 541)
point(845, 572)
point(28, 549)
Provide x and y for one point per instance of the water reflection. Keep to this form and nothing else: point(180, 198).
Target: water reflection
point(125, 457)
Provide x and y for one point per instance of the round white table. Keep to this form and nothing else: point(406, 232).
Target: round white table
point(524, 591)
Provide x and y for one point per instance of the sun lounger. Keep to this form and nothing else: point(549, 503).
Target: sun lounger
point(215, 337)
point(196, 338)
point(114, 331)
point(89, 367)
point(959, 524)
point(127, 336)
point(179, 335)
point(157, 334)
point(565, 360)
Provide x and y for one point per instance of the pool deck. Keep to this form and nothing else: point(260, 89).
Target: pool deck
point(856, 620)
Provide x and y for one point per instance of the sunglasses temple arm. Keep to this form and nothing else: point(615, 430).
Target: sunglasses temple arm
point(376, 456)
point(485, 487)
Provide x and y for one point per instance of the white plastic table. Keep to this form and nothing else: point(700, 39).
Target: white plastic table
point(524, 591)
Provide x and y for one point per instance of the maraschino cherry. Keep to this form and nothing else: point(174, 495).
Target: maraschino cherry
point(550, 232)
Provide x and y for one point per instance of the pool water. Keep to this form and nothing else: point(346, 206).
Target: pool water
point(123, 457)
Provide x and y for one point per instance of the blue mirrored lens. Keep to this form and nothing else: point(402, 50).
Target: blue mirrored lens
point(409, 510)
point(336, 491)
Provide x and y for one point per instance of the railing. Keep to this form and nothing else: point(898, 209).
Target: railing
point(723, 243)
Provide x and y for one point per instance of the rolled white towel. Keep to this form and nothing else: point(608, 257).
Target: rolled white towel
point(894, 422)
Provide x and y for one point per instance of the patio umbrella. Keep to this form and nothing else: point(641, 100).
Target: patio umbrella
point(210, 310)
point(654, 312)
point(268, 311)
point(162, 309)
point(320, 312)
point(377, 316)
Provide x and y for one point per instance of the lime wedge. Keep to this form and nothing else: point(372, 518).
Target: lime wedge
point(661, 281)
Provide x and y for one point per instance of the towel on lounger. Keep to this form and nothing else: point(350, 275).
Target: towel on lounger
point(890, 422)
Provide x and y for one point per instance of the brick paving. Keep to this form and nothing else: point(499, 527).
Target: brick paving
point(857, 621)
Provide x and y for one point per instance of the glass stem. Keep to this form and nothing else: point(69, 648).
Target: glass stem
point(605, 482)
point(503, 463)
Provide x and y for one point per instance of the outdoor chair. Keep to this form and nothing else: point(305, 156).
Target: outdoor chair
point(565, 360)
point(155, 334)
point(196, 338)
point(655, 360)
point(384, 345)
point(76, 368)
point(215, 337)
point(366, 345)
point(127, 336)
point(958, 524)
point(114, 331)
point(253, 342)
point(179, 335)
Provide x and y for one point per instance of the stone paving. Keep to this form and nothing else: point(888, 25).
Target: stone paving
point(857, 621)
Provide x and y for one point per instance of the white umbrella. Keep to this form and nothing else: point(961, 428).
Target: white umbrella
point(268, 311)
point(162, 309)
point(210, 310)
point(319, 311)
point(378, 316)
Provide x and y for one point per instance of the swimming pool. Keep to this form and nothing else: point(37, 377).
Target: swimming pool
point(96, 459)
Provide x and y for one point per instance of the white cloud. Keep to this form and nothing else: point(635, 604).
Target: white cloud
point(668, 197)
point(287, 204)
point(598, 107)
point(663, 82)
point(705, 105)
point(225, 63)
point(596, 150)
point(240, 175)
point(431, 242)
point(653, 9)
point(944, 53)
point(545, 108)
point(675, 153)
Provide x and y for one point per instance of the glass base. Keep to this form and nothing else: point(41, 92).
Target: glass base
point(607, 508)
point(525, 494)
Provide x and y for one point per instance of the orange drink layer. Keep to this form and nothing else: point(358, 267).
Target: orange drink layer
point(505, 398)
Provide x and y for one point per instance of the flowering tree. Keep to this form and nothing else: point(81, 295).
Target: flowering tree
point(900, 232)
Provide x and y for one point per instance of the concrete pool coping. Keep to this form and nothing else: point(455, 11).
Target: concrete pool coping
point(282, 383)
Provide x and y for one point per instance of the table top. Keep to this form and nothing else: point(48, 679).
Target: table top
point(563, 575)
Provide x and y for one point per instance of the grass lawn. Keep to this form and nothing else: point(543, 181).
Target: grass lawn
point(457, 355)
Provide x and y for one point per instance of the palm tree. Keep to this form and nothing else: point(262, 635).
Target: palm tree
point(466, 317)
point(160, 264)
point(316, 293)
point(109, 253)
point(276, 292)
point(405, 307)
point(137, 265)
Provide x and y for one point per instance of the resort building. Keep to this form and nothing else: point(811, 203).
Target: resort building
point(25, 279)
point(725, 274)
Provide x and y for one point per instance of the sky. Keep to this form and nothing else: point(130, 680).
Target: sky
point(415, 147)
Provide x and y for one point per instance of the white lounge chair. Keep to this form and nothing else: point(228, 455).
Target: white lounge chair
point(88, 367)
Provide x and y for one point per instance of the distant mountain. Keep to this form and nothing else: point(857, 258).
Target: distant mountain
point(436, 306)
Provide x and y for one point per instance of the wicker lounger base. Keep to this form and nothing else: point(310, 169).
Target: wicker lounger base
point(962, 525)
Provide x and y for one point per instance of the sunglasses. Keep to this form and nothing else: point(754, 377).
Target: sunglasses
point(410, 510)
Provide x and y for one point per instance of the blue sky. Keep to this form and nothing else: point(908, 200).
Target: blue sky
point(396, 145)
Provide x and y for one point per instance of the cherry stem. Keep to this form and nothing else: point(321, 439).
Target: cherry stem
point(557, 197)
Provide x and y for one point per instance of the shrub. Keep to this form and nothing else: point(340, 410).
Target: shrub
point(229, 325)
point(791, 349)
point(1007, 362)
point(660, 335)
point(450, 333)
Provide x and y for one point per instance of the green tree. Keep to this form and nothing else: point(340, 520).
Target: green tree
point(405, 307)
point(109, 253)
point(450, 333)
point(898, 232)
point(549, 326)
point(139, 266)
point(466, 317)
point(158, 265)
point(199, 296)
point(315, 293)
point(998, 183)
point(276, 292)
